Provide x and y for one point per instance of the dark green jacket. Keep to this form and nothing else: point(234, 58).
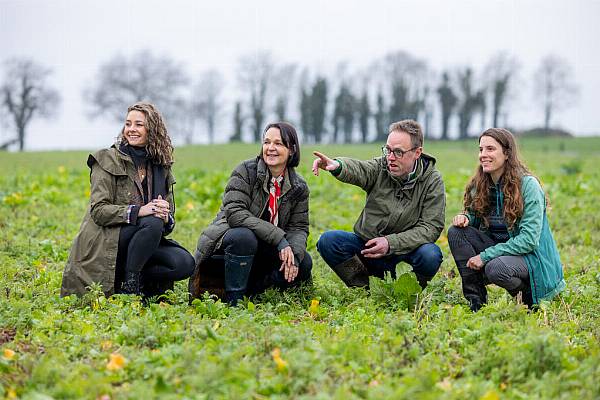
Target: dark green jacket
point(409, 214)
point(114, 187)
point(531, 238)
point(245, 200)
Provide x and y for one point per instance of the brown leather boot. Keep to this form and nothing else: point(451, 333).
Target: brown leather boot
point(352, 272)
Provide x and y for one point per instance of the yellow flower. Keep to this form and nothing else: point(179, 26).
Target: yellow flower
point(8, 354)
point(61, 169)
point(116, 362)
point(490, 395)
point(189, 206)
point(105, 345)
point(11, 394)
point(313, 309)
point(280, 364)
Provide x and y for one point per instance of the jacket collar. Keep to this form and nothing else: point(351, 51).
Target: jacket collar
point(424, 166)
point(263, 174)
point(129, 168)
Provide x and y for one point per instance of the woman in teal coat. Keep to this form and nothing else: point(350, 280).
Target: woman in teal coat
point(503, 236)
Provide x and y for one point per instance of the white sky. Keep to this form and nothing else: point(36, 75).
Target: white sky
point(75, 37)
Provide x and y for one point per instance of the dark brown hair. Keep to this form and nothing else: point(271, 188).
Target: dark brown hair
point(476, 197)
point(289, 137)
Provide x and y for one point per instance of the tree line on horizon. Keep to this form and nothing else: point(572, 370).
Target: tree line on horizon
point(348, 107)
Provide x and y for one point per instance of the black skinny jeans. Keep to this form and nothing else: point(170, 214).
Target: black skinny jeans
point(140, 251)
point(508, 272)
point(266, 263)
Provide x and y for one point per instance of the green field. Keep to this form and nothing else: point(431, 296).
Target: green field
point(352, 345)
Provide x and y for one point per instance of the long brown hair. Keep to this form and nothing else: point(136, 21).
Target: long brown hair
point(159, 144)
point(476, 197)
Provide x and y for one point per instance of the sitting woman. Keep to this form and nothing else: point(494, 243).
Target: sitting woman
point(503, 237)
point(261, 229)
point(121, 243)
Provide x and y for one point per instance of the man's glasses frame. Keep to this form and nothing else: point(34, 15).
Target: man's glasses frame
point(398, 153)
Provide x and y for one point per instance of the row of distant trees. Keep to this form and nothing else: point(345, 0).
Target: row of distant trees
point(351, 106)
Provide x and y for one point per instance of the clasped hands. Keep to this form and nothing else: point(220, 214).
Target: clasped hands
point(159, 207)
point(288, 266)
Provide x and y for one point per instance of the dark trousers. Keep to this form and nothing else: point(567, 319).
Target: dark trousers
point(508, 272)
point(142, 250)
point(337, 247)
point(264, 272)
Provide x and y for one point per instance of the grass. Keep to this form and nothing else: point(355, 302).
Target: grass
point(349, 345)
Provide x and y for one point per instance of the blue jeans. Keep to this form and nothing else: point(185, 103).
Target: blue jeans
point(337, 247)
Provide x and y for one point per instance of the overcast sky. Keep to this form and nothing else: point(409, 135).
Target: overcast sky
point(75, 37)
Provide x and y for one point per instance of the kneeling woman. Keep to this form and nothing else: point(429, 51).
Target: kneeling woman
point(503, 237)
point(121, 243)
point(261, 229)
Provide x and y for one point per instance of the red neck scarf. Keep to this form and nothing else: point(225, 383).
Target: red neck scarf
point(274, 193)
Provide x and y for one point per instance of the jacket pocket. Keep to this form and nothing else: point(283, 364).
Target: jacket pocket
point(125, 191)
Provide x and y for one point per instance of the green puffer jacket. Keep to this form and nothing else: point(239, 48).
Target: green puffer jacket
point(114, 186)
point(531, 238)
point(409, 214)
point(245, 199)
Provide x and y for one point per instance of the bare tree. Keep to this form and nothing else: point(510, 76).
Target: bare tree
point(180, 118)
point(554, 87)
point(344, 113)
point(364, 114)
point(123, 81)
point(319, 108)
point(255, 72)
point(25, 95)
point(313, 104)
point(380, 117)
point(238, 123)
point(501, 72)
point(283, 86)
point(471, 100)
point(407, 77)
point(207, 102)
point(448, 102)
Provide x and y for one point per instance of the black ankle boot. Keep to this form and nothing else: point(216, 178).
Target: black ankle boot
point(237, 271)
point(473, 286)
point(527, 298)
point(155, 288)
point(423, 279)
point(131, 283)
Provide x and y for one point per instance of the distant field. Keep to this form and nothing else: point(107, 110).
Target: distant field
point(351, 346)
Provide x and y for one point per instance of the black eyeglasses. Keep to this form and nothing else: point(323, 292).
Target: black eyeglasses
point(398, 153)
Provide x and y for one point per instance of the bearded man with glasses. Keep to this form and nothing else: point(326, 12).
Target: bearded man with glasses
point(403, 215)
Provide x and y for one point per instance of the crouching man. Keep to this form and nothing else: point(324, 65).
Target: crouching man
point(403, 215)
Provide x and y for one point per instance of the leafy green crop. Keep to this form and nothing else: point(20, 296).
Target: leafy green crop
point(324, 341)
point(401, 292)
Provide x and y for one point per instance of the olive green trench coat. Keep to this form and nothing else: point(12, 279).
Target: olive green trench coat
point(114, 187)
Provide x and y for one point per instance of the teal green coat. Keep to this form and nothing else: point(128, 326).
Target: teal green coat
point(531, 238)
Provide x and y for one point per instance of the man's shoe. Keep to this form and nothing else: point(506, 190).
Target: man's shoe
point(352, 272)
